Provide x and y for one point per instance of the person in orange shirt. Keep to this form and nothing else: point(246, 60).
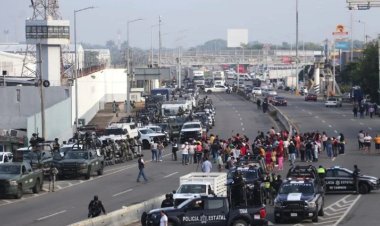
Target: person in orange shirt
point(377, 141)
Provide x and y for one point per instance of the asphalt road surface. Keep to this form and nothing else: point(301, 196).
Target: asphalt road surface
point(118, 187)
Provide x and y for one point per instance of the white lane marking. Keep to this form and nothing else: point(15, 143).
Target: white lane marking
point(170, 175)
point(369, 128)
point(352, 119)
point(323, 121)
point(7, 201)
point(303, 109)
point(58, 187)
point(361, 123)
point(324, 222)
point(344, 115)
point(51, 215)
point(310, 113)
point(241, 123)
point(330, 126)
point(120, 193)
point(335, 131)
point(348, 210)
point(236, 111)
point(316, 116)
point(241, 119)
point(239, 114)
point(242, 129)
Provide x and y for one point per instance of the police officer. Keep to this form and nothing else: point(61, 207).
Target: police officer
point(33, 140)
point(95, 208)
point(237, 189)
point(276, 185)
point(267, 190)
point(356, 178)
point(56, 145)
point(321, 174)
point(167, 202)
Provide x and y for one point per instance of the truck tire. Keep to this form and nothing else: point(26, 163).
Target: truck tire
point(19, 192)
point(277, 220)
point(315, 219)
point(240, 223)
point(100, 171)
point(37, 187)
point(88, 174)
point(145, 144)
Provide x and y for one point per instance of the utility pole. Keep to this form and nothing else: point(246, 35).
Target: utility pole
point(159, 41)
point(297, 78)
point(42, 100)
point(352, 36)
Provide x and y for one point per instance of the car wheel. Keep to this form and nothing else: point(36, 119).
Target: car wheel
point(277, 220)
point(363, 188)
point(240, 223)
point(88, 174)
point(321, 212)
point(315, 219)
point(19, 192)
point(145, 144)
point(100, 171)
point(209, 91)
point(37, 187)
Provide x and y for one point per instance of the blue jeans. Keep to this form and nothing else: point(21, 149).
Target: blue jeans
point(154, 155)
point(309, 156)
point(329, 151)
point(141, 174)
point(184, 159)
point(159, 155)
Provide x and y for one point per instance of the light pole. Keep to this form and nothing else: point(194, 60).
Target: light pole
point(151, 43)
point(76, 64)
point(128, 79)
point(297, 79)
point(364, 30)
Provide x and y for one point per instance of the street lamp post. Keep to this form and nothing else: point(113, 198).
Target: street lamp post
point(364, 30)
point(297, 79)
point(76, 64)
point(128, 79)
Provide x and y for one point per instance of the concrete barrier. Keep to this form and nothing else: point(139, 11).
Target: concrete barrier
point(124, 216)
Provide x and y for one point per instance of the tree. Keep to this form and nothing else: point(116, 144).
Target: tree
point(365, 72)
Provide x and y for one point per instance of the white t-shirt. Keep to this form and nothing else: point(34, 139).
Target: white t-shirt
point(185, 149)
point(164, 220)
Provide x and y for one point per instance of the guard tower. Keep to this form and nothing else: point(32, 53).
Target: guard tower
point(48, 33)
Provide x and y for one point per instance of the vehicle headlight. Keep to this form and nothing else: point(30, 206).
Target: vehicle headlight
point(373, 181)
point(83, 165)
point(311, 205)
point(13, 183)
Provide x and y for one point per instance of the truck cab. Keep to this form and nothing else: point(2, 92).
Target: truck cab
point(210, 211)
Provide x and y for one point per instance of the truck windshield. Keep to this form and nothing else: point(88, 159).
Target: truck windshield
point(192, 188)
point(198, 77)
point(9, 169)
point(191, 126)
point(76, 155)
point(115, 131)
point(304, 188)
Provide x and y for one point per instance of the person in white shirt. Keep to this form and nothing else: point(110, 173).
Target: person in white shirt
point(163, 219)
point(206, 165)
point(185, 153)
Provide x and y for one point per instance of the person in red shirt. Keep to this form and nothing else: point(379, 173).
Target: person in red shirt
point(243, 150)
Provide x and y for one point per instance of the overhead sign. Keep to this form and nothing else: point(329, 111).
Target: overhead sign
point(237, 37)
point(343, 45)
point(340, 30)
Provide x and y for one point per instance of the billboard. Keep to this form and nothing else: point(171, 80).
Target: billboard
point(237, 37)
point(343, 45)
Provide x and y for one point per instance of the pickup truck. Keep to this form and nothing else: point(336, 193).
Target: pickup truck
point(17, 177)
point(80, 162)
point(206, 210)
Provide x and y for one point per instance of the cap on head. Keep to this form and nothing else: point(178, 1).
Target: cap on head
point(96, 198)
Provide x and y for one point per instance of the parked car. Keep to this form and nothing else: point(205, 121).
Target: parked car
point(311, 97)
point(147, 135)
point(257, 91)
point(6, 157)
point(333, 102)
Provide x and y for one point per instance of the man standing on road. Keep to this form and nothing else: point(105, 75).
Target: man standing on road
point(141, 166)
point(206, 165)
point(174, 149)
point(53, 171)
point(95, 208)
point(356, 179)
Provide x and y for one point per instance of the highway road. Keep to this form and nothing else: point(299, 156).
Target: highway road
point(118, 187)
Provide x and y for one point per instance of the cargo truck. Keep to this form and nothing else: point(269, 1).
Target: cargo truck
point(196, 184)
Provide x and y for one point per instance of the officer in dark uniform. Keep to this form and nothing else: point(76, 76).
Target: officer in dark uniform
point(56, 145)
point(237, 189)
point(95, 208)
point(356, 178)
point(167, 202)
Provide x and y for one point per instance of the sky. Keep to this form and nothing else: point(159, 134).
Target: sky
point(192, 22)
